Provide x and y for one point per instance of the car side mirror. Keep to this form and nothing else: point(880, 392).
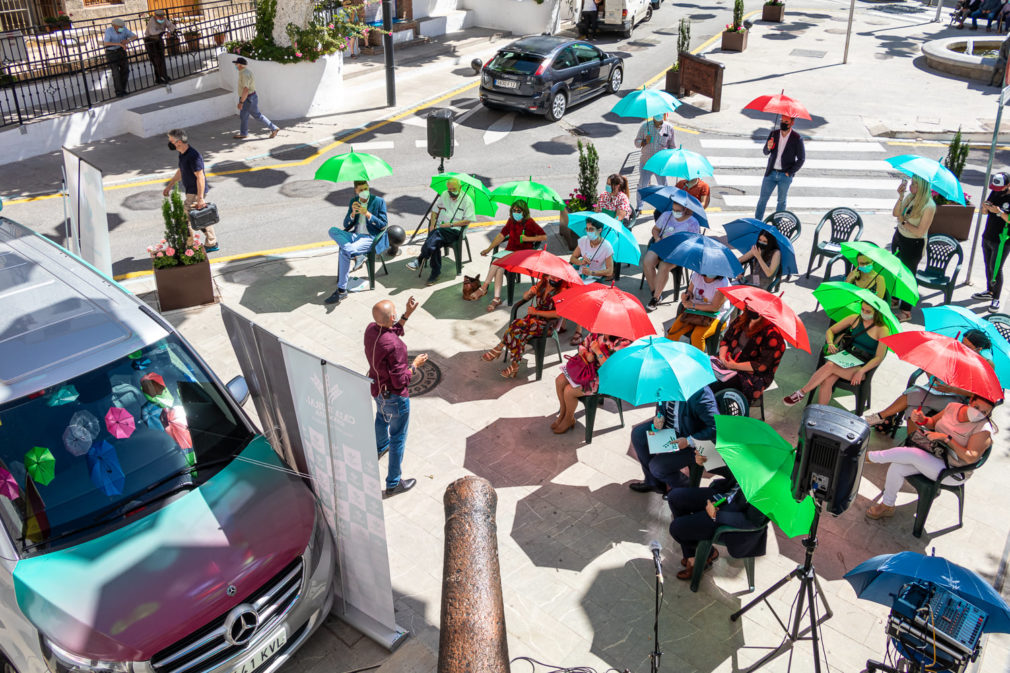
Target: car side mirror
point(239, 390)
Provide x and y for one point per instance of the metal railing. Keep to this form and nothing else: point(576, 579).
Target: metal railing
point(46, 73)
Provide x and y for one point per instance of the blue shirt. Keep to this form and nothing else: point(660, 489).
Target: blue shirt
point(190, 162)
point(113, 35)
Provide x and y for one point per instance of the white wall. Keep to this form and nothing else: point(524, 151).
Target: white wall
point(425, 8)
point(521, 17)
point(293, 90)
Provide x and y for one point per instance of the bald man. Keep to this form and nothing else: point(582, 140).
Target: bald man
point(391, 372)
point(452, 209)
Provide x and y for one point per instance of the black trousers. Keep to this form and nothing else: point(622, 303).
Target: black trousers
point(119, 63)
point(692, 524)
point(663, 469)
point(989, 248)
point(432, 248)
point(156, 52)
point(909, 251)
point(591, 21)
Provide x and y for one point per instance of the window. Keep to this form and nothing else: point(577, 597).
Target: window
point(566, 59)
point(515, 62)
point(587, 54)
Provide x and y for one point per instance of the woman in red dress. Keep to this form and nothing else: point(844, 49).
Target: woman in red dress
point(521, 232)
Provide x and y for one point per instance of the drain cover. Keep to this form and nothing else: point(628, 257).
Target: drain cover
point(425, 379)
point(809, 53)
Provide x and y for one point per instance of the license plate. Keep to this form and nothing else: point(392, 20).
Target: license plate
point(507, 83)
point(264, 653)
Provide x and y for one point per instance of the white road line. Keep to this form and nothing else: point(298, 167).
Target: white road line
point(466, 115)
point(821, 203)
point(883, 184)
point(822, 164)
point(415, 121)
point(810, 145)
point(373, 145)
point(424, 143)
point(499, 128)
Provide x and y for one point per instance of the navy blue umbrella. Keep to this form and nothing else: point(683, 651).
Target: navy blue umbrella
point(662, 199)
point(743, 233)
point(104, 469)
point(880, 578)
point(699, 253)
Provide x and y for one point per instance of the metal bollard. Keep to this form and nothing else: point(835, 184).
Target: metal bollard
point(472, 638)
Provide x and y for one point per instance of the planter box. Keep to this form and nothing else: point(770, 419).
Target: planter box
point(773, 13)
point(673, 82)
point(293, 90)
point(734, 40)
point(184, 286)
point(193, 42)
point(953, 220)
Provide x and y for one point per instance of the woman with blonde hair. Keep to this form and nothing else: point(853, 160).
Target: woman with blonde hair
point(915, 214)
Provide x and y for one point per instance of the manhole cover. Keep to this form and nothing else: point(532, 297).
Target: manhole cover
point(809, 53)
point(425, 379)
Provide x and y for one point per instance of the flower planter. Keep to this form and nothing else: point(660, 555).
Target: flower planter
point(219, 39)
point(773, 13)
point(673, 82)
point(193, 41)
point(734, 40)
point(183, 286)
point(953, 220)
point(293, 90)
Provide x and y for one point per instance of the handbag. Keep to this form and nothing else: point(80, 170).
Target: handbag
point(470, 285)
point(579, 371)
point(692, 318)
point(204, 217)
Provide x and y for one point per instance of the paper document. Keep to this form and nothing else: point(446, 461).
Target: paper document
point(714, 458)
point(844, 359)
point(662, 441)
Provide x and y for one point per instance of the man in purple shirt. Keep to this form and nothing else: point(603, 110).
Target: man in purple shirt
point(390, 372)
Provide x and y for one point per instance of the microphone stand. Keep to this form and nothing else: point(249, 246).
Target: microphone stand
point(656, 652)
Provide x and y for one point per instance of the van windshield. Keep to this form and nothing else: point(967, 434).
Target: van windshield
point(79, 455)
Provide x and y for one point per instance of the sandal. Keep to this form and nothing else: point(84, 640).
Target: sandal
point(575, 340)
point(511, 371)
point(478, 293)
point(493, 354)
point(493, 304)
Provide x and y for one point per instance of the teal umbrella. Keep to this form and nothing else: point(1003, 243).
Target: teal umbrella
point(645, 103)
point(679, 163)
point(626, 248)
point(655, 369)
point(352, 166)
point(938, 176)
point(536, 195)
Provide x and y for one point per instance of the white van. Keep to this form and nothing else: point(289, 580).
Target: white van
point(624, 15)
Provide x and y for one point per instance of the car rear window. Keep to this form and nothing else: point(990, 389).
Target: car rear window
point(516, 62)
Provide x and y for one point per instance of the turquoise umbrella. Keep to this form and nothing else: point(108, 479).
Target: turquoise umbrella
point(626, 248)
point(954, 321)
point(645, 103)
point(679, 163)
point(655, 369)
point(932, 171)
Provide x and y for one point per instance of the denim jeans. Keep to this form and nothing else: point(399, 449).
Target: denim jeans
point(772, 180)
point(644, 180)
point(358, 245)
point(250, 108)
point(391, 418)
point(431, 249)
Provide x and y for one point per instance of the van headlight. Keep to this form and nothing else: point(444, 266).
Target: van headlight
point(60, 661)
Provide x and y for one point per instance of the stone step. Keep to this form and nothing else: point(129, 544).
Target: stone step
point(451, 21)
point(198, 108)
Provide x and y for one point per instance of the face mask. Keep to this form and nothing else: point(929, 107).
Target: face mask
point(453, 194)
point(678, 214)
point(364, 194)
point(866, 269)
point(658, 119)
point(119, 30)
point(785, 126)
point(751, 315)
point(761, 245)
point(608, 188)
point(160, 20)
point(975, 415)
point(592, 235)
point(554, 283)
point(517, 216)
point(171, 145)
point(866, 315)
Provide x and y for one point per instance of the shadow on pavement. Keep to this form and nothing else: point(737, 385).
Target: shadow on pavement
point(268, 177)
point(530, 460)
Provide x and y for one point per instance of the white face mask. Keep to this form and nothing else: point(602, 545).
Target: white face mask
point(975, 415)
point(866, 315)
point(364, 194)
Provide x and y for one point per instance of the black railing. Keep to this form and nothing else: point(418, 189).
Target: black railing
point(50, 73)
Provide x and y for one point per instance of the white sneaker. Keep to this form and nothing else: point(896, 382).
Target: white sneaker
point(359, 261)
point(874, 419)
point(413, 265)
point(994, 306)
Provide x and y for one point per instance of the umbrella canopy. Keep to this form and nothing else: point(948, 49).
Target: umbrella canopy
point(155, 390)
point(64, 394)
point(679, 163)
point(469, 186)
point(772, 309)
point(743, 233)
point(40, 465)
point(779, 104)
point(626, 248)
point(88, 421)
point(644, 103)
point(104, 469)
point(150, 415)
point(899, 280)
point(762, 462)
point(840, 300)
point(8, 485)
point(174, 421)
point(932, 171)
point(352, 166)
point(119, 423)
point(954, 321)
point(878, 579)
point(539, 263)
point(948, 360)
point(699, 253)
point(605, 310)
point(663, 198)
point(655, 369)
point(76, 440)
point(536, 195)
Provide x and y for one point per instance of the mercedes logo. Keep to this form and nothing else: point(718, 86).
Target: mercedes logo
point(231, 590)
point(240, 625)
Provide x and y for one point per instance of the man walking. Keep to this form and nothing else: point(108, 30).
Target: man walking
point(452, 209)
point(590, 23)
point(154, 42)
point(785, 158)
point(117, 36)
point(996, 207)
point(248, 101)
point(390, 373)
point(194, 183)
point(653, 135)
point(365, 219)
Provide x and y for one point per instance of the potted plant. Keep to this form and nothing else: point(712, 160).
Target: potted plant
point(582, 197)
point(219, 38)
point(59, 22)
point(192, 36)
point(734, 38)
point(774, 11)
point(181, 269)
point(952, 218)
point(673, 85)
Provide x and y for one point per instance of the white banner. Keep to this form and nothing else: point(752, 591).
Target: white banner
point(89, 222)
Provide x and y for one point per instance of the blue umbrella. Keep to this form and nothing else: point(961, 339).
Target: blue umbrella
point(932, 171)
point(881, 577)
point(954, 321)
point(743, 234)
point(104, 469)
point(679, 163)
point(699, 253)
point(645, 103)
point(663, 198)
point(655, 369)
point(626, 248)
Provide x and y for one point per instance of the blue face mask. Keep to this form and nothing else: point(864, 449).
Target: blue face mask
point(866, 269)
point(592, 235)
point(608, 188)
point(119, 30)
point(160, 20)
point(517, 216)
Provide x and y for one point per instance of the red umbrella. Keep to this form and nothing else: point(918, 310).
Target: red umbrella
point(605, 310)
point(771, 308)
point(779, 104)
point(174, 420)
point(948, 360)
point(539, 263)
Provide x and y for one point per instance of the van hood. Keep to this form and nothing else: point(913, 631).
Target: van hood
point(127, 595)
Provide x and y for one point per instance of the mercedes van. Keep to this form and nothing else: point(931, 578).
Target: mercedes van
point(146, 526)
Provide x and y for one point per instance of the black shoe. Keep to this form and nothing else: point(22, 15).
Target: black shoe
point(432, 280)
point(404, 486)
point(642, 487)
point(984, 295)
point(652, 305)
point(335, 298)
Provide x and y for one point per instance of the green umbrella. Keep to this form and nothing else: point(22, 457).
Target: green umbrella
point(469, 186)
point(762, 463)
point(536, 195)
point(353, 166)
point(40, 465)
point(840, 300)
point(899, 280)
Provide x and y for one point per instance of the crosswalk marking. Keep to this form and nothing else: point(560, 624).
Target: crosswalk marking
point(862, 184)
point(809, 146)
point(424, 143)
point(373, 145)
point(822, 164)
point(818, 203)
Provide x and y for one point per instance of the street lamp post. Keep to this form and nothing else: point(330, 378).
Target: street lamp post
point(387, 47)
point(988, 173)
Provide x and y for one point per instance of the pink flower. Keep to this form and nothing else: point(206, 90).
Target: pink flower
point(298, 54)
point(330, 26)
point(161, 254)
point(189, 253)
point(164, 241)
point(170, 252)
point(150, 248)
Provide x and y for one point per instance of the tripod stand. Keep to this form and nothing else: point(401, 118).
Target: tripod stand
point(808, 594)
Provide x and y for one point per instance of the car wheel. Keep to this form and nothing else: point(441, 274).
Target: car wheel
point(615, 81)
point(558, 106)
point(648, 14)
point(628, 33)
point(6, 666)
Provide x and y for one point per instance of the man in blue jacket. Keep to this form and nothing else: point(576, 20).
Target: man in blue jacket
point(785, 158)
point(691, 421)
point(365, 219)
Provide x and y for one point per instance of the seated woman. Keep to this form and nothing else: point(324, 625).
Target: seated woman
point(702, 294)
point(863, 275)
point(580, 376)
point(657, 272)
point(615, 197)
point(959, 432)
point(594, 259)
point(858, 334)
point(751, 351)
point(521, 232)
point(764, 258)
point(538, 319)
point(935, 395)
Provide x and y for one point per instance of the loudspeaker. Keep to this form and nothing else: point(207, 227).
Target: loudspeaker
point(441, 142)
point(829, 456)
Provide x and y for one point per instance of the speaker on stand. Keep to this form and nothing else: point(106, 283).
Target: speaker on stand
point(441, 140)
